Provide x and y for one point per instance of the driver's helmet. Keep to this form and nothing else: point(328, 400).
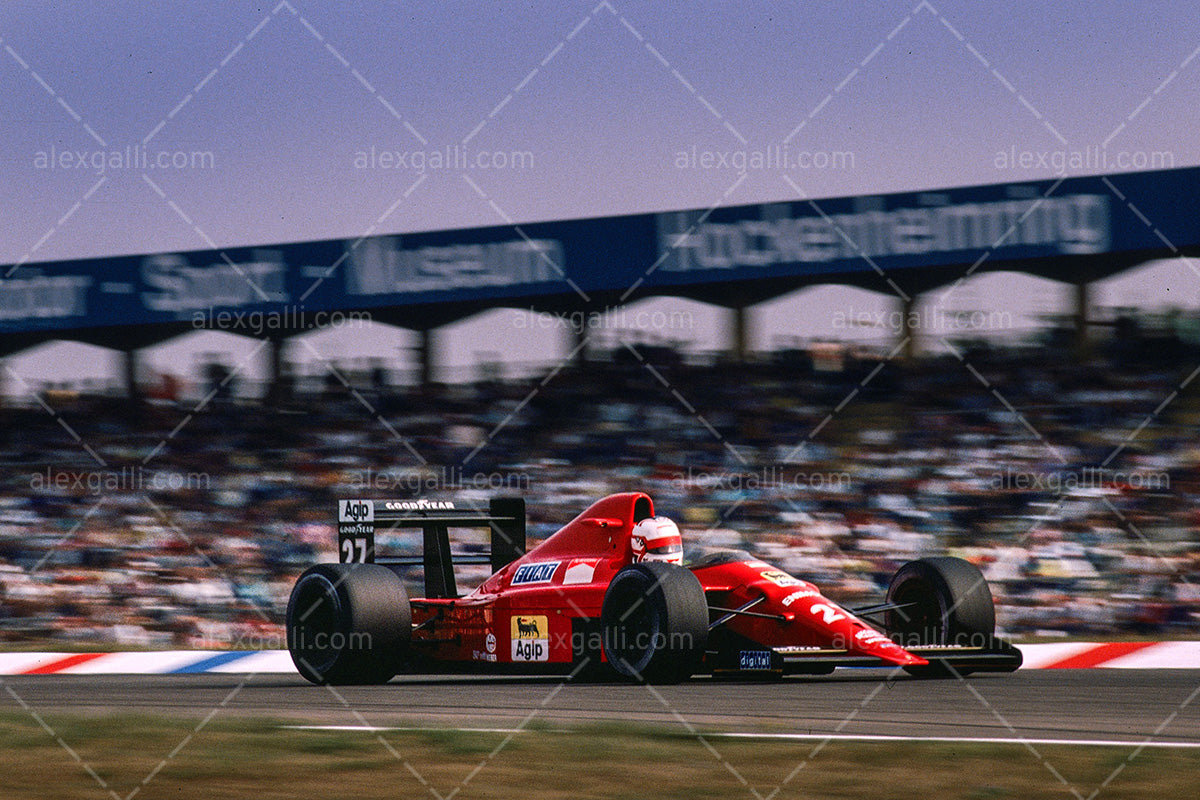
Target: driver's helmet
point(657, 539)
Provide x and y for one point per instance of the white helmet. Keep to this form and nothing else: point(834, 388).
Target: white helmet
point(657, 539)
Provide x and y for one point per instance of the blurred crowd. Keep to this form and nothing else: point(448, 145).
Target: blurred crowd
point(184, 523)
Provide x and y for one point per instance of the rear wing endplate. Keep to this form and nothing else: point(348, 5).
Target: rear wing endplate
point(358, 520)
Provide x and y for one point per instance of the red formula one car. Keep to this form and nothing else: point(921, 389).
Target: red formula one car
point(607, 593)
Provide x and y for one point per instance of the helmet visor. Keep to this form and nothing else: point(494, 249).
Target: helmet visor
point(667, 551)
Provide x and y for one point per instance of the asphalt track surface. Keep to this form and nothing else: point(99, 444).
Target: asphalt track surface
point(1159, 706)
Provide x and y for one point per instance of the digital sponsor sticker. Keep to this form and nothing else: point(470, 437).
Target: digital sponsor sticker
point(530, 637)
point(754, 659)
point(780, 578)
point(490, 642)
point(539, 572)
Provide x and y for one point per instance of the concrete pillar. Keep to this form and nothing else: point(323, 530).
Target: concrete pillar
point(1082, 309)
point(577, 338)
point(129, 362)
point(907, 333)
point(739, 345)
point(278, 383)
point(427, 355)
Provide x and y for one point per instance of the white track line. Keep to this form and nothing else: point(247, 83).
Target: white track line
point(851, 737)
point(800, 737)
point(384, 729)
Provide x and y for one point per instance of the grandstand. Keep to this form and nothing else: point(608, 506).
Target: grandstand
point(192, 534)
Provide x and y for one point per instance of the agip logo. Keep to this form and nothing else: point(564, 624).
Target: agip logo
point(356, 511)
point(530, 638)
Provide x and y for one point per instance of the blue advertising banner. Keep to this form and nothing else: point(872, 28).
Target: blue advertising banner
point(1007, 225)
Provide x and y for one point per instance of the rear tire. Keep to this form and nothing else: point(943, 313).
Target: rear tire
point(947, 601)
point(348, 624)
point(655, 623)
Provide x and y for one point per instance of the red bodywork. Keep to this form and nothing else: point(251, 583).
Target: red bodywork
point(541, 608)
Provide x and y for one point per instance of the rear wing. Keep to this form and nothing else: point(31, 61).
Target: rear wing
point(358, 520)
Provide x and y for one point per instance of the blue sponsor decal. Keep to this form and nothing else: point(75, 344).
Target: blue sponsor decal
point(542, 572)
point(754, 659)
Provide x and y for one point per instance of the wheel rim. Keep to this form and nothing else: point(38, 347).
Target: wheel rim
point(922, 619)
point(634, 629)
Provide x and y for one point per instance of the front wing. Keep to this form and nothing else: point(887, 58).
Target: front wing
point(947, 660)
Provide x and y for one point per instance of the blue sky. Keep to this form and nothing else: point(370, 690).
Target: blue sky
point(264, 112)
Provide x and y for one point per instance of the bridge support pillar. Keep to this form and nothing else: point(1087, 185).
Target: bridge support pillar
point(741, 331)
point(129, 369)
point(1082, 340)
point(906, 335)
point(577, 343)
point(278, 381)
point(427, 355)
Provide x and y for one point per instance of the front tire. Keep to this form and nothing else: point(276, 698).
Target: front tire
point(348, 624)
point(944, 601)
point(655, 621)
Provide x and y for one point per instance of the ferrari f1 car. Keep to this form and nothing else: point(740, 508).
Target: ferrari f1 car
point(606, 594)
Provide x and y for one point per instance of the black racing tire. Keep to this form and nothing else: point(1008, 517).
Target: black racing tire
point(655, 623)
point(348, 624)
point(947, 602)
